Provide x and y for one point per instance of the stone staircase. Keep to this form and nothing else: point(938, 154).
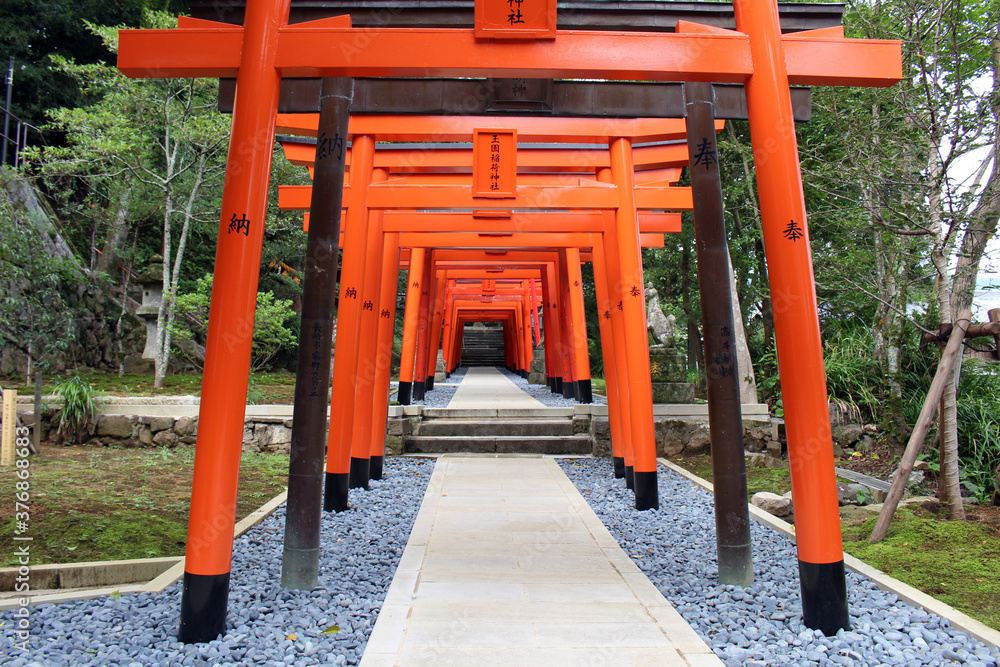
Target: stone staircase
point(548, 431)
point(482, 346)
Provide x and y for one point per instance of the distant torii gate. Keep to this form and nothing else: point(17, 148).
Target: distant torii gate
point(266, 48)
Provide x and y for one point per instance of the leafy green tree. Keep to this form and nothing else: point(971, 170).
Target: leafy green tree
point(144, 147)
point(272, 332)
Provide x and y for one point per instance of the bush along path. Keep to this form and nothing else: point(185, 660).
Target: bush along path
point(267, 624)
point(762, 624)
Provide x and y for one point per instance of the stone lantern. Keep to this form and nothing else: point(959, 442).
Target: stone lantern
point(151, 281)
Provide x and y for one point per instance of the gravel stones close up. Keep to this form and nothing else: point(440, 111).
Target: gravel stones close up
point(268, 625)
point(762, 624)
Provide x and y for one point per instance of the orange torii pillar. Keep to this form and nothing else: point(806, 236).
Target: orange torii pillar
point(208, 560)
point(363, 380)
point(446, 328)
point(796, 322)
point(636, 335)
point(581, 357)
point(606, 263)
point(437, 323)
point(383, 355)
point(612, 379)
point(423, 327)
point(526, 312)
point(411, 318)
point(341, 456)
point(553, 325)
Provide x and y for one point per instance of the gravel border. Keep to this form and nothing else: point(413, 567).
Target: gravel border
point(761, 625)
point(359, 554)
point(541, 392)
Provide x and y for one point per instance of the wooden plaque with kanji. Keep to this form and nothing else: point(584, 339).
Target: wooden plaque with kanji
point(516, 19)
point(494, 163)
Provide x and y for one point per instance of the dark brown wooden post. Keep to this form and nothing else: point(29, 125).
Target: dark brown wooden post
point(732, 515)
point(300, 560)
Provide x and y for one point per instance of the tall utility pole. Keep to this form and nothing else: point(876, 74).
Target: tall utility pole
point(6, 109)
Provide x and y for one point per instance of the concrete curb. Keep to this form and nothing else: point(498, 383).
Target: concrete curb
point(905, 592)
point(108, 569)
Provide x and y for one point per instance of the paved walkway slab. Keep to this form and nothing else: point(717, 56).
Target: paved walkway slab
point(508, 565)
point(487, 388)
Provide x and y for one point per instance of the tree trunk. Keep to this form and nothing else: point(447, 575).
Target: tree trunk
point(748, 383)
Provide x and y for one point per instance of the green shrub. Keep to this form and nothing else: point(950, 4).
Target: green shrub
point(79, 404)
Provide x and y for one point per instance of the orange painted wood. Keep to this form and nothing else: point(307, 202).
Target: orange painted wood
point(515, 19)
point(494, 162)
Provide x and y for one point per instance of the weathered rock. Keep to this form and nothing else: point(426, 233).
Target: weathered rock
point(114, 426)
point(865, 444)
point(673, 392)
point(165, 439)
point(269, 435)
point(676, 436)
point(157, 424)
point(144, 435)
point(916, 478)
point(846, 495)
point(846, 435)
point(775, 463)
point(393, 445)
point(756, 435)
point(775, 449)
point(772, 503)
point(185, 426)
point(394, 426)
point(581, 424)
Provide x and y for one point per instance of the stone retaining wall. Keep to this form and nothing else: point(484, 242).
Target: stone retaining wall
point(260, 434)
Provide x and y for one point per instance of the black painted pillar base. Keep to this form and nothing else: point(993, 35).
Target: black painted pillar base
point(619, 463)
point(429, 383)
point(824, 597)
point(375, 467)
point(404, 394)
point(550, 382)
point(647, 496)
point(558, 382)
point(629, 477)
point(586, 391)
point(418, 391)
point(359, 473)
point(203, 607)
point(569, 389)
point(335, 495)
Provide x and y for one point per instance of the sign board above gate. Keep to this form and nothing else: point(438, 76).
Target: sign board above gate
point(494, 163)
point(516, 19)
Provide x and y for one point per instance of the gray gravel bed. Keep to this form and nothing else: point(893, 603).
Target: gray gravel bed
point(360, 551)
point(761, 625)
point(541, 392)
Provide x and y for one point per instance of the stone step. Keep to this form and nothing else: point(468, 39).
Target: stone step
point(573, 444)
point(487, 428)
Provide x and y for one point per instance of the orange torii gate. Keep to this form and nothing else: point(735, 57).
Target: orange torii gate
point(450, 190)
point(267, 48)
point(487, 290)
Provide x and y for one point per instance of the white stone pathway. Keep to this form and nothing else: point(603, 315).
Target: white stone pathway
point(487, 388)
point(508, 565)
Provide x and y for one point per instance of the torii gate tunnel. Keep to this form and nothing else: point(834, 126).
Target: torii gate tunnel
point(267, 48)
